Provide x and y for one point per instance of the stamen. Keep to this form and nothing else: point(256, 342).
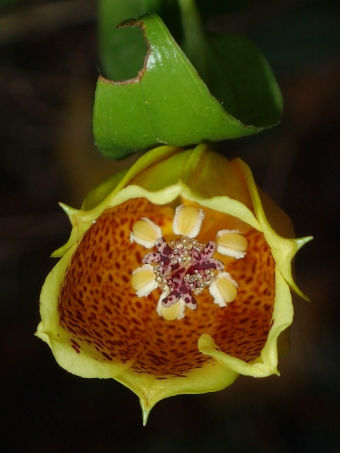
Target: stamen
point(175, 311)
point(143, 280)
point(223, 289)
point(231, 243)
point(145, 233)
point(188, 220)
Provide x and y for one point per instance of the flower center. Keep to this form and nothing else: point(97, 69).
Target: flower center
point(183, 267)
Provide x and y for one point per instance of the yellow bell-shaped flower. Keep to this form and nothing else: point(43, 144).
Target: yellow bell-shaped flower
point(176, 278)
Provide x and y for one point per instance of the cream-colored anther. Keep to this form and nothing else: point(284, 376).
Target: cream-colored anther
point(188, 220)
point(145, 233)
point(223, 289)
point(143, 280)
point(231, 243)
point(175, 311)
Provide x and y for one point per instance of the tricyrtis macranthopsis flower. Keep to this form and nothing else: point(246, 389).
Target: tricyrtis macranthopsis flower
point(176, 278)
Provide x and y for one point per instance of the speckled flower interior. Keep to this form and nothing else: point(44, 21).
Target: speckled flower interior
point(101, 311)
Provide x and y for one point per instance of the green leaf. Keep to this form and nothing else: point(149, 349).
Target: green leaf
point(241, 79)
point(122, 51)
point(168, 103)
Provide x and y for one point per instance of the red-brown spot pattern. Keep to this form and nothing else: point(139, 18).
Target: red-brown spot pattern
point(99, 308)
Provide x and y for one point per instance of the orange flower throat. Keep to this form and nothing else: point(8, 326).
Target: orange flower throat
point(108, 300)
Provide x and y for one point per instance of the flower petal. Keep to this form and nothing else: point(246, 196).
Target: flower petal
point(283, 249)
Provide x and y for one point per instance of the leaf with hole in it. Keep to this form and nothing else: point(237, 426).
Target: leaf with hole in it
point(168, 103)
point(122, 50)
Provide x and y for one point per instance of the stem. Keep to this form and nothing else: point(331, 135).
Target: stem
point(195, 44)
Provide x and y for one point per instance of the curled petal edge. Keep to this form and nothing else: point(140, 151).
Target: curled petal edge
point(266, 364)
point(283, 249)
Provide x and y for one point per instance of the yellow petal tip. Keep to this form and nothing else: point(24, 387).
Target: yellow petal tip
point(302, 241)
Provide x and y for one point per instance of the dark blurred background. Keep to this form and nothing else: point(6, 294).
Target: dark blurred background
point(48, 72)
